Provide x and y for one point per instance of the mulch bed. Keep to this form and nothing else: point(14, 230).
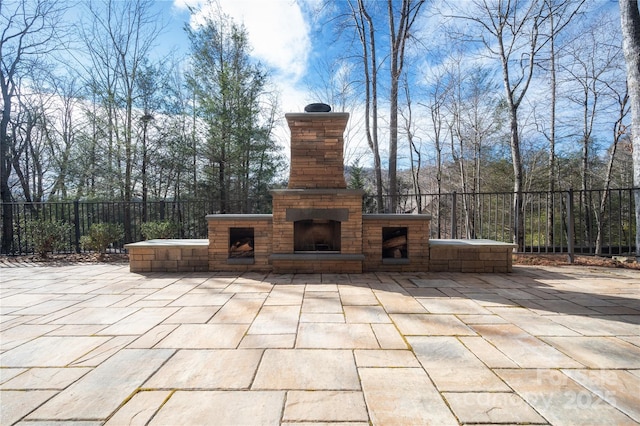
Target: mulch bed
point(65, 259)
point(627, 262)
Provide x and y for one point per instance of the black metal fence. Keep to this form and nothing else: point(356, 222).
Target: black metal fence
point(585, 222)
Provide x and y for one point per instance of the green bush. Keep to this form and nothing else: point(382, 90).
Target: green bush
point(101, 235)
point(48, 236)
point(164, 230)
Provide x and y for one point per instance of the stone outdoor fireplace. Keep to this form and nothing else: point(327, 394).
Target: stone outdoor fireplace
point(317, 225)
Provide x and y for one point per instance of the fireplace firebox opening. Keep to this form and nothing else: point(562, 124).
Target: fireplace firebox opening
point(241, 243)
point(316, 235)
point(394, 243)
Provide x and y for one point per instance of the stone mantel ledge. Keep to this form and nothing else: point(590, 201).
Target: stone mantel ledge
point(317, 191)
point(395, 216)
point(170, 243)
point(240, 217)
point(470, 243)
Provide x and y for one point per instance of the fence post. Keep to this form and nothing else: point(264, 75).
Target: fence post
point(454, 216)
point(570, 226)
point(162, 207)
point(76, 223)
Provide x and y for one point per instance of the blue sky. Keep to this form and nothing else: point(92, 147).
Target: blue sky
point(279, 33)
point(291, 37)
point(287, 37)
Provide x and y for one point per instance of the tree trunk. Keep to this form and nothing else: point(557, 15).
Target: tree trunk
point(408, 12)
point(552, 136)
point(5, 171)
point(518, 199)
point(630, 22)
point(370, 66)
point(413, 151)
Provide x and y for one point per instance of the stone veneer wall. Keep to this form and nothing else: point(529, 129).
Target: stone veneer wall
point(471, 256)
point(219, 226)
point(417, 242)
point(169, 256)
point(317, 150)
point(349, 199)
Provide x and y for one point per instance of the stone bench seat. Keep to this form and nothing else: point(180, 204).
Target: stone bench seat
point(171, 255)
point(480, 255)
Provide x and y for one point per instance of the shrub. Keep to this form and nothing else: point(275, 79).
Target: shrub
point(48, 236)
point(101, 236)
point(164, 230)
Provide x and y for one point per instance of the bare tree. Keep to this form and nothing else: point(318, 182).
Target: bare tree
point(121, 36)
point(510, 31)
point(561, 13)
point(399, 33)
point(630, 22)
point(367, 35)
point(593, 70)
point(29, 131)
point(415, 149)
point(130, 28)
point(29, 32)
point(618, 134)
point(592, 61)
point(61, 140)
point(437, 96)
point(335, 84)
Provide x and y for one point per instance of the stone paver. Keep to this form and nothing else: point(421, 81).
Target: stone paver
point(204, 336)
point(430, 324)
point(403, 396)
point(92, 345)
point(452, 367)
point(598, 352)
point(386, 358)
point(491, 407)
point(336, 336)
point(139, 409)
point(307, 369)
point(47, 351)
point(45, 378)
point(618, 387)
point(223, 408)
point(89, 398)
point(561, 400)
point(526, 350)
point(325, 406)
point(207, 369)
point(17, 404)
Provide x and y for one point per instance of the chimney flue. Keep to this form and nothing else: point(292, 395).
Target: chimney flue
point(318, 107)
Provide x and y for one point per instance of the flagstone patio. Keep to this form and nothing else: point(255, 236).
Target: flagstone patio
point(96, 344)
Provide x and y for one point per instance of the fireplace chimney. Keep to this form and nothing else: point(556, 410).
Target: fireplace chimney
point(317, 144)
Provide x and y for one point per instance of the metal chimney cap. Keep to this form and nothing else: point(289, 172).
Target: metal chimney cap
point(317, 107)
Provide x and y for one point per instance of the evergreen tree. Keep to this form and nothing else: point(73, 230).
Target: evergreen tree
point(232, 103)
point(356, 175)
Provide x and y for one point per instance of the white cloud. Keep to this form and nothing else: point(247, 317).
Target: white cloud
point(278, 31)
point(279, 34)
